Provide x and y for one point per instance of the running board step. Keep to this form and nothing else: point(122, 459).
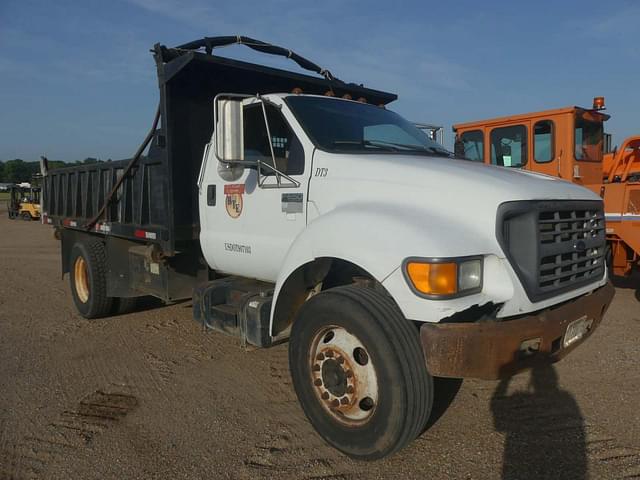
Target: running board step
point(236, 306)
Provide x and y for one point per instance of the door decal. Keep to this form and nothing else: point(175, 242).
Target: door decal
point(233, 199)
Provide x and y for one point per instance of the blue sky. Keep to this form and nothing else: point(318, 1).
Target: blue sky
point(77, 78)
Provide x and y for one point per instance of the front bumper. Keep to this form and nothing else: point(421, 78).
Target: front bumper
point(495, 349)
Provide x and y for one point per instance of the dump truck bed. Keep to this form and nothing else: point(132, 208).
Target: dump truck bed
point(158, 199)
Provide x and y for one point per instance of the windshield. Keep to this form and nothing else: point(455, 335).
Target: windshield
point(589, 135)
point(343, 126)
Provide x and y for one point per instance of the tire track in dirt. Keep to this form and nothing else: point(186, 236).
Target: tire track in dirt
point(71, 431)
point(610, 454)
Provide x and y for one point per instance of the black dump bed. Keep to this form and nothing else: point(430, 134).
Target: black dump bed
point(157, 199)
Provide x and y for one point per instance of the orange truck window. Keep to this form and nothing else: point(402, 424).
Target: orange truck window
point(509, 146)
point(589, 136)
point(473, 145)
point(543, 141)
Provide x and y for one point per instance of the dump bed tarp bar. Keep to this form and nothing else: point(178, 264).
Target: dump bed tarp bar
point(267, 79)
point(209, 43)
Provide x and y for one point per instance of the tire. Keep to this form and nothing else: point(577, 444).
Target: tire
point(122, 305)
point(26, 216)
point(88, 278)
point(608, 258)
point(399, 391)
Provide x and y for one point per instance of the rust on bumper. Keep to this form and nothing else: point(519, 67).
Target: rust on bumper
point(495, 349)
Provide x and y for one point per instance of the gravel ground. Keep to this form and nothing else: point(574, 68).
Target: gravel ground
point(150, 395)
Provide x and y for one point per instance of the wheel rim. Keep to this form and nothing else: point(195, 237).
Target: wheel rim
point(343, 376)
point(81, 279)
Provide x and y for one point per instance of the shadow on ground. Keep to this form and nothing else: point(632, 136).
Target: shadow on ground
point(143, 304)
point(631, 282)
point(444, 393)
point(543, 427)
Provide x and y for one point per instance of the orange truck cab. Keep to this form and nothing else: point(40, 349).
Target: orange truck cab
point(568, 143)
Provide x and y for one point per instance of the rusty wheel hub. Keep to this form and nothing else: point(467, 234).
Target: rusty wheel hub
point(343, 375)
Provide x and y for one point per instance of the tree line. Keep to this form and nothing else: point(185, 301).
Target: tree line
point(18, 171)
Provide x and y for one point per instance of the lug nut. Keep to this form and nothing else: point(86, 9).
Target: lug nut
point(335, 403)
point(350, 389)
point(349, 374)
point(320, 356)
point(317, 382)
point(340, 359)
point(325, 396)
point(316, 368)
point(330, 353)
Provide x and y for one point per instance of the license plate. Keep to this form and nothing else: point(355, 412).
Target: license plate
point(577, 329)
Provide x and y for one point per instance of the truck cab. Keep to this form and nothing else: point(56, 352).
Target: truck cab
point(565, 143)
point(296, 189)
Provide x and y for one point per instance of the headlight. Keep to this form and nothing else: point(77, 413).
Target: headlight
point(469, 275)
point(444, 277)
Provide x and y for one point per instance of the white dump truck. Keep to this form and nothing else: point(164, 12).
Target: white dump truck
point(298, 207)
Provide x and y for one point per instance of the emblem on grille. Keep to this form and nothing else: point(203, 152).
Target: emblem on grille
point(579, 246)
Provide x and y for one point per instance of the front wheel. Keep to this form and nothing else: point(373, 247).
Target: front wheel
point(26, 216)
point(359, 372)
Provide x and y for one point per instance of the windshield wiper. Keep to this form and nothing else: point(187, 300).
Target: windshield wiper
point(367, 143)
point(440, 151)
point(396, 147)
point(414, 148)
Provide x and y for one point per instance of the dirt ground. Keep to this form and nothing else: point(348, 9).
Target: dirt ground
point(151, 395)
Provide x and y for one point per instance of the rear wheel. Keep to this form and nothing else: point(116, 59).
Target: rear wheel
point(26, 216)
point(359, 372)
point(89, 280)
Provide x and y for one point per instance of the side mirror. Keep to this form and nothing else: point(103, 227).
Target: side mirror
point(458, 148)
point(229, 130)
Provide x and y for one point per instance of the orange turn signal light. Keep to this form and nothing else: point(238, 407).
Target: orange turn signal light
point(434, 278)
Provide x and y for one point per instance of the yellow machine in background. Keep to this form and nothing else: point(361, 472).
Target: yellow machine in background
point(24, 203)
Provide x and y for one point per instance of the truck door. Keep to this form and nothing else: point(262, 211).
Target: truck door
point(249, 224)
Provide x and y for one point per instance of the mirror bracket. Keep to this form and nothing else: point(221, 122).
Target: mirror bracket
point(236, 146)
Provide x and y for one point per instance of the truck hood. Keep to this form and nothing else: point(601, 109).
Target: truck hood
point(441, 177)
point(417, 195)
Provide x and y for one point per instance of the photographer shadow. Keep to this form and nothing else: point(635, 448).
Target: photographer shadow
point(544, 429)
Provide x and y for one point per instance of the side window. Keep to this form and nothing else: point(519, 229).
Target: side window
point(543, 141)
point(287, 148)
point(473, 145)
point(588, 139)
point(509, 146)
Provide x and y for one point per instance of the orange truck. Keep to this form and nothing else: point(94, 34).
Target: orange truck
point(568, 143)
